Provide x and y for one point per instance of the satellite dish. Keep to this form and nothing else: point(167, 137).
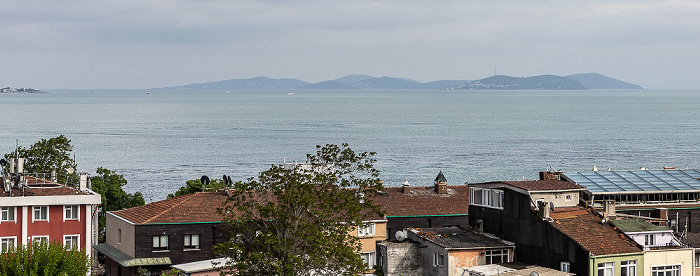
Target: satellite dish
point(534, 273)
point(400, 236)
point(205, 180)
point(225, 180)
point(3, 162)
point(551, 205)
point(70, 170)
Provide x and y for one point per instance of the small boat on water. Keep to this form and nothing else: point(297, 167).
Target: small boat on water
point(226, 92)
point(291, 93)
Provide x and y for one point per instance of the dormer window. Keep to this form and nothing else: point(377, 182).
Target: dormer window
point(486, 197)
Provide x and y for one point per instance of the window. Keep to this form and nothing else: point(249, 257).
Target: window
point(71, 242)
point(191, 242)
point(649, 239)
point(486, 197)
point(365, 230)
point(41, 213)
point(7, 214)
point(668, 270)
point(697, 259)
point(565, 267)
point(71, 211)
point(628, 268)
point(606, 269)
point(438, 259)
point(496, 256)
point(40, 239)
point(160, 243)
point(567, 198)
point(119, 237)
point(7, 243)
point(368, 258)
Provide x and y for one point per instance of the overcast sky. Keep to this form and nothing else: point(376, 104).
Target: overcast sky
point(143, 44)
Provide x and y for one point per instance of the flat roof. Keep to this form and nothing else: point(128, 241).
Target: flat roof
point(639, 181)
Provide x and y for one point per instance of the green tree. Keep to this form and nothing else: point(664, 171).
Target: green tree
point(298, 222)
point(47, 155)
point(195, 185)
point(43, 259)
point(109, 185)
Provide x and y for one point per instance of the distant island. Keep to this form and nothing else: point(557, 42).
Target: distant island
point(498, 82)
point(19, 90)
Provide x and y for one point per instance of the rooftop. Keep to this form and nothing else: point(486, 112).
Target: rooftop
point(460, 238)
point(514, 269)
point(197, 207)
point(544, 185)
point(424, 201)
point(586, 229)
point(40, 187)
point(637, 225)
point(636, 181)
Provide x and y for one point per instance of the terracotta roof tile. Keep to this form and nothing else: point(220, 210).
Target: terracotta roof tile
point(586, 229)
point(544, 185)
point(424, 201)
point(197, 207)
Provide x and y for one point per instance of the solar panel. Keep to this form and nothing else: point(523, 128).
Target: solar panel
point(636, 181)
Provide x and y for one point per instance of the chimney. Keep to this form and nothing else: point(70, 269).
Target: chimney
point(609, 210)
point(406, 187)
point(83, 181)
point(441, 184)
point(549, 175)
point(544, 209)
point(662, 213)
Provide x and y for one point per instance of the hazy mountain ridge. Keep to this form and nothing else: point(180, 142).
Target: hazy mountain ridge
point(359, 81)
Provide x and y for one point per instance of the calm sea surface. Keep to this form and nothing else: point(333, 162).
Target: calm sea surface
point(160, 139)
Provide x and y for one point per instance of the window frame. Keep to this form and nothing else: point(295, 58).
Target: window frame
point(565, 267)
point(607, 268)
point(491, 254)
point(365, 230)
point(438, 259)
point(160, 247)
point(628, 266)
point(369, 258)
point(40, 238)
point(649, 240)
point(73, 245)
point(74, 215)
point(41, 214)
point(5, 245)
point(187, 242)
point(661, 270)
point(6, 212)
point(485, 197)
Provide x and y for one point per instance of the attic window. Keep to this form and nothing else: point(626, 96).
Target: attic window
point(567, 198)
point(486, 197)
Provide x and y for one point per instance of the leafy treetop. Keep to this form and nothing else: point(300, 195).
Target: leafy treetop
point(298, 221)
point(47, 155)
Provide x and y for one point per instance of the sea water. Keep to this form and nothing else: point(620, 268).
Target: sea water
point(159, 139)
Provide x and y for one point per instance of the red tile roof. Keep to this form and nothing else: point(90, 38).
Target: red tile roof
point(586, 229)
point(197, 207)
point(424, 201)
point(544, 185)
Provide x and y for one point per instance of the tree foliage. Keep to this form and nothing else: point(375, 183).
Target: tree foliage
point(298, 222)
point(43, 259)
point(47, 155)
point(195, 185)
point(109, 185)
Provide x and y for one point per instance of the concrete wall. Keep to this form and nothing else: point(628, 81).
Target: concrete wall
point(683, 257)
point(400, 258)
point(558, 198)
point(128, 238)
point(616, 260)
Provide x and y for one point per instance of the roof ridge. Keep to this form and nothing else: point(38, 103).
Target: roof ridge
point(181, 198)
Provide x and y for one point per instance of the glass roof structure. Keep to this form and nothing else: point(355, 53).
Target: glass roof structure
point(642, 181)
